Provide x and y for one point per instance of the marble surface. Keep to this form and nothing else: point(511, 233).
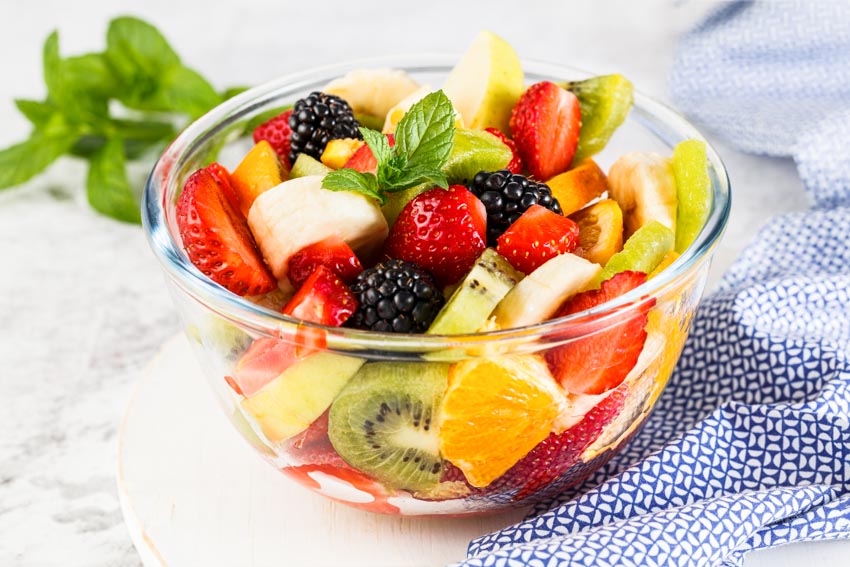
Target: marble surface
point(82, 303)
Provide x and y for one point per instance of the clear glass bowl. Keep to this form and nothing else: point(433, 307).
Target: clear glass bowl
point(222, 326)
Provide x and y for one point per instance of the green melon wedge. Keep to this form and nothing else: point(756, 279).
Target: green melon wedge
point(693, 191)
point(605, 102)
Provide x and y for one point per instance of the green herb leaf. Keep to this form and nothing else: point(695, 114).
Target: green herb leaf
point(89, 73)
point(183, 90)
point(415, 176)
point(76, 103)
point(378, 143)
point(38, 113)
point(425, 134)
point(137, 52)
point(22, 162)
point(107, 187)
point(347, 179)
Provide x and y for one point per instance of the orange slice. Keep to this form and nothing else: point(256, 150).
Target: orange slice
point(495, 411)
point(600, 231)
point(258, 172)
point(668, 259)
point(339, 151)
point(578, 186)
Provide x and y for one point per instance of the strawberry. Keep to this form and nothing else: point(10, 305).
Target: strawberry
point(332, 252)
point(222, 177)
point(442, 231)
point(277, 133)
point(216, 237)
point(515, 165)
point(545, 125)
point(364, 160)
point(601, 361)
point(324, 299)
point(537, 235)
point(264, 361)
point(554, 458)
point(316, 477)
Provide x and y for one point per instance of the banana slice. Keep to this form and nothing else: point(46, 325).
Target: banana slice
point(299, 212)
point(645, 188)
point(395, 113)
point(539, 295)
point(372, 91)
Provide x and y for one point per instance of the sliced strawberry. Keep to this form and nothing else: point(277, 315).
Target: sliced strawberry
point(515, 165)
point(324, 298)
point(339, 482)
point(598, 362)
point(545, 125)
point(558, 454)
point(265, 360)
point(364, 160)
point(277, 133)
point(222, 177)
point(332, 253)
point(443, 231)
point(216, 237)
point(537, 235)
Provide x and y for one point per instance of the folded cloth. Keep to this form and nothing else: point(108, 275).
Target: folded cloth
point(749, 446)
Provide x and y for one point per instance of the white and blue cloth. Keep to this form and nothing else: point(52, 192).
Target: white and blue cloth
point(749, 446)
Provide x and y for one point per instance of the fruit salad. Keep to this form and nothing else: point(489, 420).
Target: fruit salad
point(389, 207)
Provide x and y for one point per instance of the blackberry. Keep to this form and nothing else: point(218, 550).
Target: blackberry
point(395, 297)
point(317, 119)
point(506, 196)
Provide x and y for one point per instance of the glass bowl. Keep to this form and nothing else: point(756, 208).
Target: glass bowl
point(230, 333)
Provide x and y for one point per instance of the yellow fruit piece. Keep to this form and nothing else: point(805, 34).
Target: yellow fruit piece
point(665, 263)
point(397, 112)
point(495, 411)
point(578, 186)
point(338, 152)
point(600, 229)
point(258, 172)
point(645, 188)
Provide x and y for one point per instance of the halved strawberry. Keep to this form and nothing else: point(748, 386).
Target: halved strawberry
point(222, 177)
point(545, 125)
point(558, 454)
point(364, 160)
point(277, 133)
point(442, 230)
point(332, 253)
point(324, 298)
point(216, 238)
point(515, 165)
point(601, 361)
point(537, 235)
point(265, 360)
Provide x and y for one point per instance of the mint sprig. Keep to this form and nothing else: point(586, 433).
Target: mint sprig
point(109, 107)
point(424, 139)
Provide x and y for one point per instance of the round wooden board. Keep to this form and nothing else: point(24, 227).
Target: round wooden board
point(193, 493)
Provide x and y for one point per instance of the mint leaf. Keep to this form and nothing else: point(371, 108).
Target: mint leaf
point(22, 162)
point(107, 187)
point(347, 179)
point(89, 73)
point(411, 177)
point(425, 134)
point(76, 104)
point(137, 52)
point(37, 112)
point(378, 143)
point(183, 90)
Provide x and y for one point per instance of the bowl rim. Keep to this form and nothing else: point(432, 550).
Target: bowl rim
point(660, 119)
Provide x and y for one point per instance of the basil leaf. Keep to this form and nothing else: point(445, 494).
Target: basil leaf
point(107, 187)
point(425, 134)
point(347, 179)
point(22, 162)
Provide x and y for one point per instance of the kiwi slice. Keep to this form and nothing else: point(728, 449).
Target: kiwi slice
point(382, 422)
point(642, 252)
point(474, 151)
point(693, 191)
point(605, 102)
point(306, 165)
point(396, 201)
point(466, 311)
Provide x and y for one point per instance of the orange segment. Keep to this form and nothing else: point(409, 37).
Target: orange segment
point(578, 186)
point(600, 229)
point(339, 151)
point(258, 172)
point(668, 259)
point(495, 411)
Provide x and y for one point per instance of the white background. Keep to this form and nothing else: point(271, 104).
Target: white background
point(82, 304)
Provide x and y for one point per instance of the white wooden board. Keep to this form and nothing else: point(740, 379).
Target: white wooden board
point(193, 493)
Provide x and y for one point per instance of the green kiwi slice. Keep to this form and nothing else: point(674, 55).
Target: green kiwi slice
point(383, 422)
point(605, 102)
point(307, 165)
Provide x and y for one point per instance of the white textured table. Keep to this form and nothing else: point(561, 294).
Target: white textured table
point(82, 304)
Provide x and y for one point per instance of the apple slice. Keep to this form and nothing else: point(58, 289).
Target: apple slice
point(288, 404)
point(486, 83)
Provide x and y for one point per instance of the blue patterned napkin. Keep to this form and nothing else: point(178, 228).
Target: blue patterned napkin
point(749, 446)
